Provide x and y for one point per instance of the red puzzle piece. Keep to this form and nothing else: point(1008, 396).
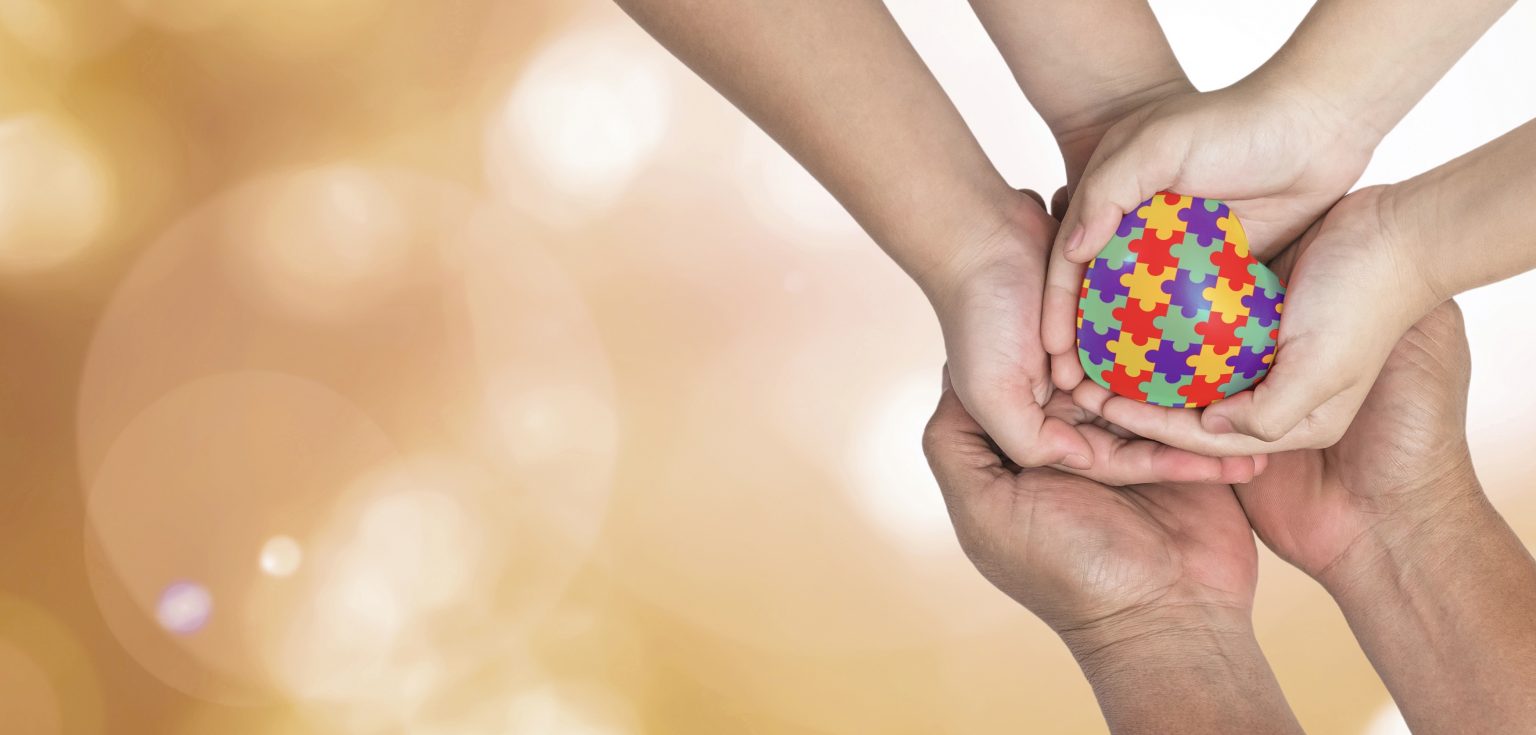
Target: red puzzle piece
point(1154, 251)
point(1220, 334)
point(1203, 391)
point(1123, 383)
point(1137, 321)
point(1232, 266)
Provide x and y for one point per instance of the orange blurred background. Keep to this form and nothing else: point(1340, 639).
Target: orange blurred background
point(467, 367)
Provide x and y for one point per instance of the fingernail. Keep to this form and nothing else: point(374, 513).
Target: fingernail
point(1075, 240)
point(1077, 462)
point(1218, 425)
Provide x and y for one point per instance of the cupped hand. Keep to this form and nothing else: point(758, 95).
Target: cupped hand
point(1402, 461)
point(990, 314)
point(1085, 556)
point(1353, 291)
point(1277, 156)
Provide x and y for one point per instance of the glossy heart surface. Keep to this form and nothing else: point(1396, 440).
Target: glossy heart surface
point(1175, 311)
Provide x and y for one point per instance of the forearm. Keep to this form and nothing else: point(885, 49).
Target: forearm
point(1179, 675)
point(1469, 222)
point(1372, 60)
point(1080, 94)
point(1443, 608)
point(839, 86)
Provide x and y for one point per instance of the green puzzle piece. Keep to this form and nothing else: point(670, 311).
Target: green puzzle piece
point(1119, 249)
point(1094, 369)
point(1160, 392)
point(1098, 312)
point(1254, 334)
point(1194, 258)
point(1178, 330)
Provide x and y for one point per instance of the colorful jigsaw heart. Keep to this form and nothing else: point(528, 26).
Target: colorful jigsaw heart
point(1175, 311)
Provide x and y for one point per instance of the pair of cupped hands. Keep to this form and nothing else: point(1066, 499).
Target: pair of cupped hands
point(1099, 512)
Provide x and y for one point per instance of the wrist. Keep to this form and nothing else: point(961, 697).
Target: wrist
point(1079, 131)
point(1014, 232)
point(1160, 638)
point(1337, 127)
point(1401, 554)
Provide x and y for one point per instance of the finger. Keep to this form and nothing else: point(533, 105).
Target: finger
point(1276, 406)
point(1035, 195)
point(1112, 186)
point(1066, 370)
point(956, 446)
point(1091, 396)
point(1180, 427)
point(1023, 431)
point(1059, 203)
point(1121, 461)
point(1058, 308)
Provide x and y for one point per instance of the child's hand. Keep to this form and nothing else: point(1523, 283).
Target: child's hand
point(1354, 289)
point(1279, 158)
point(989, 307)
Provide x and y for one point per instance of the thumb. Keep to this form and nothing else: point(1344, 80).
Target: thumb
point(1111, 187)
point(1278, 404)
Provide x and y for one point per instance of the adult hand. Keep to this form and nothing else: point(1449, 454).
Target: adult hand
point(1150, 586)
point(1279, 157)
point(1394, 524)
point(1354, 289)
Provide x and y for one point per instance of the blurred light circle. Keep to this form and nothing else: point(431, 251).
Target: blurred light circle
point(28, 702)
point(1388, 721)
point(889, 480)
point(184, 607)
point(281, 556)
point(268, 447)
point(55, 194)
point(326, 242)
point(587, 115)
point(447, 475)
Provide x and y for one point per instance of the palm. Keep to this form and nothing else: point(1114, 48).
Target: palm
point(1072, 549)
point(1311, 505)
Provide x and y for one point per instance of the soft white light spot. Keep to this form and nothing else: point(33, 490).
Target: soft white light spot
point(184, 608)
point(54, 194)
point(587, 116)
point(891, 483)
point(1388, 721)
point(281, 556)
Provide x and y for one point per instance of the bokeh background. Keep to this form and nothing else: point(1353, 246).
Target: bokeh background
point(467, 366)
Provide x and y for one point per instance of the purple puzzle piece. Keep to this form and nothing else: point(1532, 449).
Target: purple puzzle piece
point(1132, 220)
point(1095, 344)
point(1106, 279)
point(1187, 291)
point(1262, 307)
point(1173, 363)
point(1249, 362)
point(1202, 222)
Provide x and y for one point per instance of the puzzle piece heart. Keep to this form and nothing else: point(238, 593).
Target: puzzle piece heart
point(1175, 311)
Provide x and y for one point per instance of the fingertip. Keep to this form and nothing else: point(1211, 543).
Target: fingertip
point(1260, 463)
point(1066, 372)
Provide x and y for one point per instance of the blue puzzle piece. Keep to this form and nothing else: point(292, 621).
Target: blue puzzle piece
point(1095, 342)
point(1249, 362)
point(1131, 221)
point(1187, 291)
point(1201, 220)
point(1171, 361)
point(1264, 306)
point(1105, 278)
